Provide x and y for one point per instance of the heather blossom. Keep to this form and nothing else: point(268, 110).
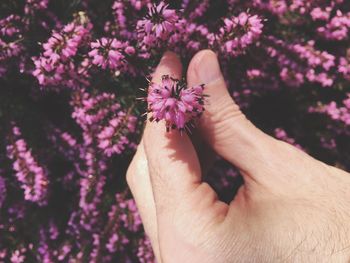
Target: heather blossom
point(31, 176)
point(113, 138)
point(173, 102)
point(54, 67)
point(18, 256)
point(338, 27)
point(33, 5)
point(104, 121)
point(157, 25)
point(110, 53)
point(344, 67)
point(9, 26)
point(335, 111)
point(239, 32)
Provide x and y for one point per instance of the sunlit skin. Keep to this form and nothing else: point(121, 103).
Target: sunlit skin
point(292, 207)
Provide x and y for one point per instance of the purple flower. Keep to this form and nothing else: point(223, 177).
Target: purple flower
point(110, 53)
point(18, 256)
point(9, 26)
point(55, 66)
point(344, 67)
point(158, 24)
point(33, 5)
point(338, 28)
point(145, 252)
point(31, 176)
point(114, 137)
point(239, 32)
point(173, 102)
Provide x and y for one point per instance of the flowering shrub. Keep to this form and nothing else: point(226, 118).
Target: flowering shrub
point(70, 73)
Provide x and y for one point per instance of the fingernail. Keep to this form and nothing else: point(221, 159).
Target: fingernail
point(208, 68)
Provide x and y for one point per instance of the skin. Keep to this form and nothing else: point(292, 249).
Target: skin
point(291, 208)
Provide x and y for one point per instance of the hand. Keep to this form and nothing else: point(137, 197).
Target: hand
point(291, 208)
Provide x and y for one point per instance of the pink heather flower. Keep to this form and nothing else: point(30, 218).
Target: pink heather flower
point(55, 66)
point(336, 112)
point(29, 173)
point(9, 26)
point(344, 67)
point(110, 53)
point(158, 24)
point(239, 32)
point(293, 78)
point(303, 62)
point(114, 137)
point(278, 7)
point(321, 14)
point(197, 11)
point(9, 50)
point(338, 28)
point(33, 5)
point(254, 73)
point(173, 102)
point(18, 256)
point(48, 72)
point(145, 252)
point(64, 45)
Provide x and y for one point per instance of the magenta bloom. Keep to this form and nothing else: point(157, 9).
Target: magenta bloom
point(110, 53)
point(173, 102)
point(239, 33)
point(114, 137)
point(158, 24)
point(32, 177)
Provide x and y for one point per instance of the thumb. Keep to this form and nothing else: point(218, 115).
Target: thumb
point(223, 125)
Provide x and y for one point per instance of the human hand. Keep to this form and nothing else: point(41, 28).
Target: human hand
point(291, 208)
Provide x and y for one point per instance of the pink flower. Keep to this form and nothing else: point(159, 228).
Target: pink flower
point(173, 102)
point(320, 14)
point(338, 28)
point(113, 138)
point(239, 32)
point(158, 24)
point(110, 53)
point(31, 176)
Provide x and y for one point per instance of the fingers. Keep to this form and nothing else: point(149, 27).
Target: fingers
point(172, 160)
point(140, 185)
point(223, 125)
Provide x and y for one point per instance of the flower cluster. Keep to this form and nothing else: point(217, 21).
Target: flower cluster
point(158, 24)
point(239, 32)
point(70, 74)
point(104, 122)
point(31, 176)
point(110, 53)
point(55, 67)
point(338, 27)
point(113, 138)
point(336, 112)
point(174, 103)
point(10, 40)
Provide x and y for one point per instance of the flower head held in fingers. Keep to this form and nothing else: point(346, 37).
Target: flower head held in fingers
point(172, 101)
